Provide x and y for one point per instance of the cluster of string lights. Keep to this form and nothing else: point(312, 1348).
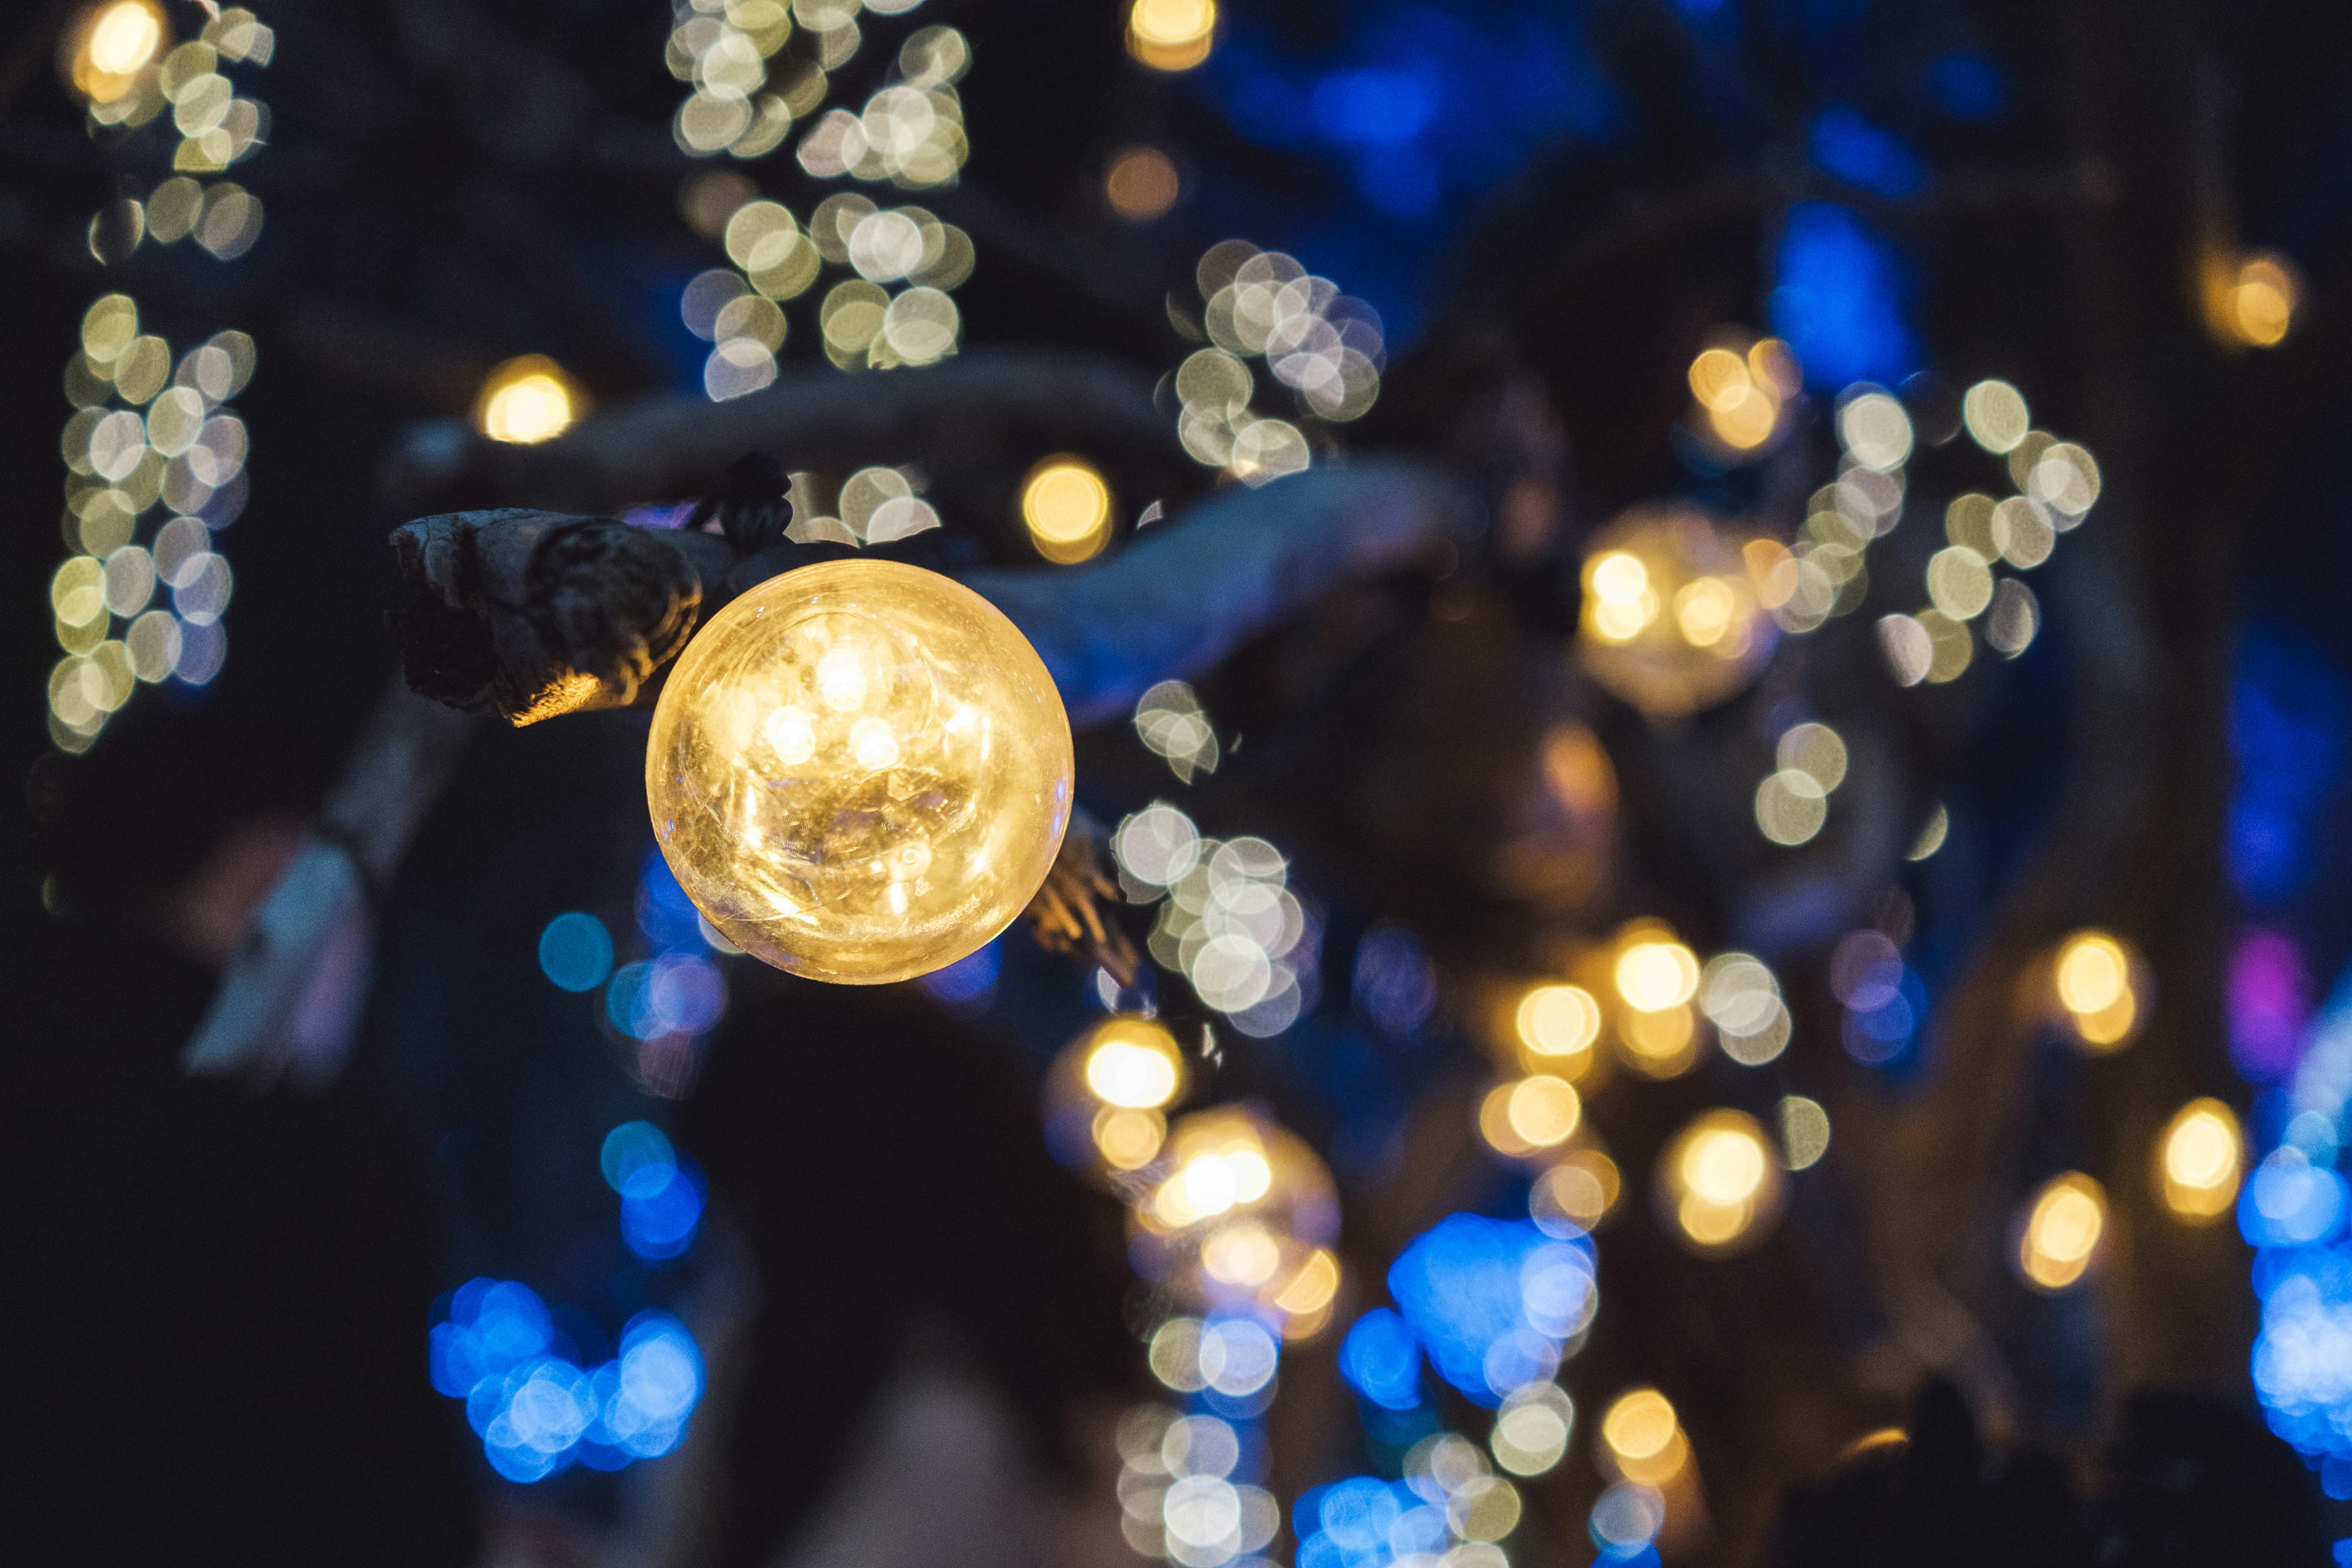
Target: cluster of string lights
point(1326, 347)
point(153, 433)
point(760, 70)
point(537, 1410)
point(1232, 1221)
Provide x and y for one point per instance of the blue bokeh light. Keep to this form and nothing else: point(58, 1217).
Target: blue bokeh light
point(2290, 1202)
point(637, 1160)
point(575, 951)
point(1374, 106)
point(665, 914)
point(1381, 1360)
point(538, 1412)
point(674, 994)
point(2287, 716)
point(1969, 85)
point(1363, 1522)
point(970, 980)
point(1493, 1301)
point(659, 1224)
point(1882, 1023)
point(1863, 154)
point(1395, 988)
point(1838, 302)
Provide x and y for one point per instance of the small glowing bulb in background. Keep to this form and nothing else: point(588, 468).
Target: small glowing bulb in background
point(1068, 508)
point(1243, 1214)
point(1531, 1429)
point(528, 398)
point(859, 771)
point(1133, 1063)
point(1535, 1113)
point(2094, 979)
point(2250, 300)
point(1656, 974)
point(1171, 35)
point(114, 44)
point(1576, 1193)
point(1672, 619)
point(1656, 977)
point(1142, 184)
point(1741, 392)
point(1718, 1181)
point(1643, 1438)
point(1557, 1021)
point(2199, 1159)
point(2063, 1229)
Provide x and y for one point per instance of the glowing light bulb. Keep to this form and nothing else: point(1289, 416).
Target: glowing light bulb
point(859, 771)
point(527, 399)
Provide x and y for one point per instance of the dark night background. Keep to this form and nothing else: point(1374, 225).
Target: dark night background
point(218, 1291)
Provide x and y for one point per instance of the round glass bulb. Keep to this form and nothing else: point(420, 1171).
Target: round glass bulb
point(859, 771)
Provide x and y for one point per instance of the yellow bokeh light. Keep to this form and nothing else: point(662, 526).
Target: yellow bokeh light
point(1494, 1123)
point(1141, 184)
point(1129, 1139)
point(528, 399)
point(1310, 1289)
point(1241, 1210)
point(1134, 1063)
point(1740, 395)
point(1719, 379)
point(1718, 1181)
point(1673, 619)
point(2061, 1232)
point(1656, 974)
point(1245, 1254)
point(2200, 1161)
point(1171, 35)
point(1619, 603)
point(1706, 610)
point(113, 44)
point(1643, 1438)
point(2250, 300)
point(2094, 979)
point(1558, 1020)
point(1068, 508)
point(1581, 1190)
point(1661, 1043)
point(1544, 1110)
point(1749, 421)
point(2091, 972)
point(930, 798)
point(2262, 302)
point(1723, 1165)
